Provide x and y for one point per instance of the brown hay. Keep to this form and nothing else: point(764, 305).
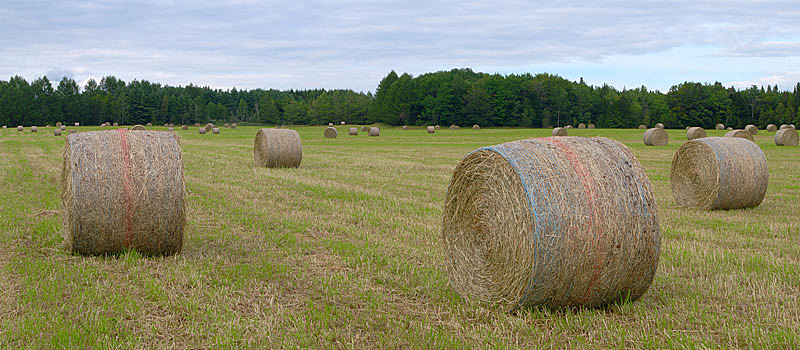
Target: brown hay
point(660, 125)
point(233, 126)
point(787, 126)
point(364, 128)
point(786, 137)
point(56, 132)
point(208, 127)
point(149, 124)
point(58, 124)
point(567, 221)
point(374, 131)
point(559, 132)
point(438, 127)
point(695, 133)
point(202, 131)
point(642, 126)
point(656, 137)
point(123, 190)
point(215, 130)
point(34, 128)
point(739, 133)
point(752, 129)
point(331, 132)
point(196, 124)
point(454, 127)
point(430, 129)
point(138, 127)
point(720, 127)
point(184, 127)
point(353, 131)
point(278, 148)
point(591, 126)
point(581, 126)
point(772, 127)
point(719, 173)
point(476, 127)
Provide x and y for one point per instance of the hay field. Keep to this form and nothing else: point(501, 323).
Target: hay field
point(345, 252)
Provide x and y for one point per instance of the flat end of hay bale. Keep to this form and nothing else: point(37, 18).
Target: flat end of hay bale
point(695, 133)
point(331, 132)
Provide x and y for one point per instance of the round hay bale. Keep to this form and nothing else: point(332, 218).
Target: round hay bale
point(581, 126)
point(227, 125)
point(720, 127)
point(123, 190)
point(786, 137)
point(353, 131)
point(20, 128)
point(719, 173)
point(430, 129)
point(454, 127)
point(331, 132)
point(202, 131)
point(138, 127)
point(405, 127)
point(330, 124)
point(77, 124)
point(752, 129)
point(787, 126)
point(695, 133)
point(149, 124)
point(656, 137)
point(437, 127)
point(591, 126)
point(341, 123)
point(63, 127)
point(208, 127)
point(642, 127)
point(567, 221)
point(34, 128)
point(196, 124)
point(374, 131)
point(739, 133)
point(58, 124)
point(729, 128)
point(278, 148)
point(476, 127)
point(184, 127)
point(233, 126)
point(568, 126)
point(559, 132)
point(170, 129)
point(772, 128)
point(72, 131)
point(660, 125)
point(5, 126)
point(215, 130)
point(116, 124)
point(56, 132)
point(364, 128)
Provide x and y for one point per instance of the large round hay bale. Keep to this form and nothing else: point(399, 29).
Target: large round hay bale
point(559, 132)
point(138, 127)
point(476, 127)
point(660, 125)
point(34, 128)
point(184, 127)
point(786, 137)
point(642, 126)
point(567, 221)
point(739, 133)
point(353, 131)
point(695, 133)
point(123, 190)
point(208, 127)
point(331, 132)
point(56, 132)
point(581, 126)
point(20, 128)
point(656, 137)
point(278, 148)
point(591, 126)
point(772, 128)
point(215, 130)
point(364, 128)
point(430, 129)
point(719, 173)
point(454, 127)
point(374, 131)
point(752, 129)
point(201, 131)
point(720, 127)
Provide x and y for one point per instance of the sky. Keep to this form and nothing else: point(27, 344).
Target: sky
point(353, 44)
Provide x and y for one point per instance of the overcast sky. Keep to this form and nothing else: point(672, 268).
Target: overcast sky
point(353, 44)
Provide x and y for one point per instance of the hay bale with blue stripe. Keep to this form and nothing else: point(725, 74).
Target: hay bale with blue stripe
point(719, 173)
point(555, 222)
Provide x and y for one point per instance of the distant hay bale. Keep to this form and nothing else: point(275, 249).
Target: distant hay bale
point(559, 131)
point(278, 148)
point(437, 127)
point(330, 124)
point(476, 127)
point(786, 137)
point(353, 131)
point(116, 124)
point(642, 127)
point(568, 126)
point(215, 130)
point(591, 126)
point(739, 133)
point(331, 132)
point(695, 133)
point(227, 125)
point(149, 124)
point(656, 137)
point(20, 128)
point(170, 129)
point(341, 123)
point(787, 126)
point(364, 128)
point(184, 127)
point(77, 124)
point(123, 190)
point(720, 127)
point(405, 127)
point(374, 131)
point(5, 126)
point(719, 173)
point(196, 124)
point(138, 127)
point(34, 128)
point(752, 129)
point(233, 126)
point(208, 127)
point(566, 221)
point(202, 131)
point(660, 125)
point(430, 129)
point(772, 128)
point(581, 126)
point(454, 127)
point(58, 124)
point(729, 128)
point(56, 132)
point(63, 127)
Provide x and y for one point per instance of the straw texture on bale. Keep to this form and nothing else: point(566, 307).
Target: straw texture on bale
point(476, 127)
point(720, 127)
point(559, 132)
point(591, 126)
point(138, 127)
point(215, 130)
point(660, 125)
point(20, 128)
point(437, 126)
point(739, 133)
point(786, 137)
point(454, 127)
point(567, 221)
point(63, 127)
point(233, 126)
point(374, 131)
point(185, 127)
point(123, 190)
point(772, 127)
point(695, 133)
point(331, 132)
point(278, 148)
point(201, 131)
point(116, 124)
point(581, 126)
point(719, 173)
point(34, 128)
point(208, 127)
point(431, 129)
point(56, 132)
point(642, 127)
point(364, 128)
point(787, 126)
point(752, 129)
point(656, 137)
point(353, 131)
point(58, 124)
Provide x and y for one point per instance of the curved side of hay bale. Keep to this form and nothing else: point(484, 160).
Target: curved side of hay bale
point(659, 125)
point(331, 132)
point(437, 127)
point(567, 221)
point(591, 126)
point(215, 130)
point(202, 131)
point(752, 129)
point(786, 137)
point(364, 128)
point(559, 132)
point(278, 148)
point(581, 126)
point(739, 133)
point(720, 127)
point(695, 133)
point(374, 131)
point(353, 131)
point(772, 127)
point(719, 173)
point(656, 137)
point(454, 127)
point(431, 129)
point(56, 132)
point(138, 127)
point(123, 190)
point(233, 126)
point(476, 127)
point(642, 126)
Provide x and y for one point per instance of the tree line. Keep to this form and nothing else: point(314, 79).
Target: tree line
point(458, 96)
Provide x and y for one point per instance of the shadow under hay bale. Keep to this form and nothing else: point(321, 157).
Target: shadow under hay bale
point(752, 129)
point(656, 137)
point(278, 148)
point(559, 132)
point(739, 133)
point(695, 133)
point(331, 132)
point(374, 131)
point(786, 137)
point(352, 131)
point(123, 190)
point(567, 221)
point(719, 173)
point(430, 129)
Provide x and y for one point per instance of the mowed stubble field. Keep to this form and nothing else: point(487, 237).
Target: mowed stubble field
point(345, 252)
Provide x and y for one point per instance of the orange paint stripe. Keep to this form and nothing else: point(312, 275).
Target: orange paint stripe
point(126, 186)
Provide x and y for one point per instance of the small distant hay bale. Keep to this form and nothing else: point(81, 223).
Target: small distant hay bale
point(215, 130)
point(331, 132)
point(72, 131)
point(341, 123)
point(170, 129)
point(660, 125)
point(115, 124)
point(166, 124)
point(149, 124)
point(184, 127)
point(786, 137)
point(278, 148)
point(58, 124)
point(739, 133)
point(559, 131)
point(202, 131)
point(695, 133)
point(77, 124)
point(555, 222)
point(330, 124)
point(233, 126)
point(656, 137)
point(581, 126)
point(123, 190)
point(5, 126)
point(374, 131)
point(752, 129)
point(63, 127)
point(476, 127)
point(719, 173)
point(430, 129)
point(20, 128)
point(353, 131)
point(405, 127)
point(138, 127)
point(591, 126)
point(568, 126)
point(227, 125)
point(364, 128)
point(642, 127)
point(772, 128)
point(56, 132)
point(437, 127)
point(34, 128)
point(208, 127)
point(196, 124)
point(720, 127)
point(729, 128)
point(454, 127)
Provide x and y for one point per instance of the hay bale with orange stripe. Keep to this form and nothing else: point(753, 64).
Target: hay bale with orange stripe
point(123, 190)
point(557, 221)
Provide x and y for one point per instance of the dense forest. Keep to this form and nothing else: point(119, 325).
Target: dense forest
point(459, 96)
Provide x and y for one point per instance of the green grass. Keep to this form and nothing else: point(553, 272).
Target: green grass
point(344, 252)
